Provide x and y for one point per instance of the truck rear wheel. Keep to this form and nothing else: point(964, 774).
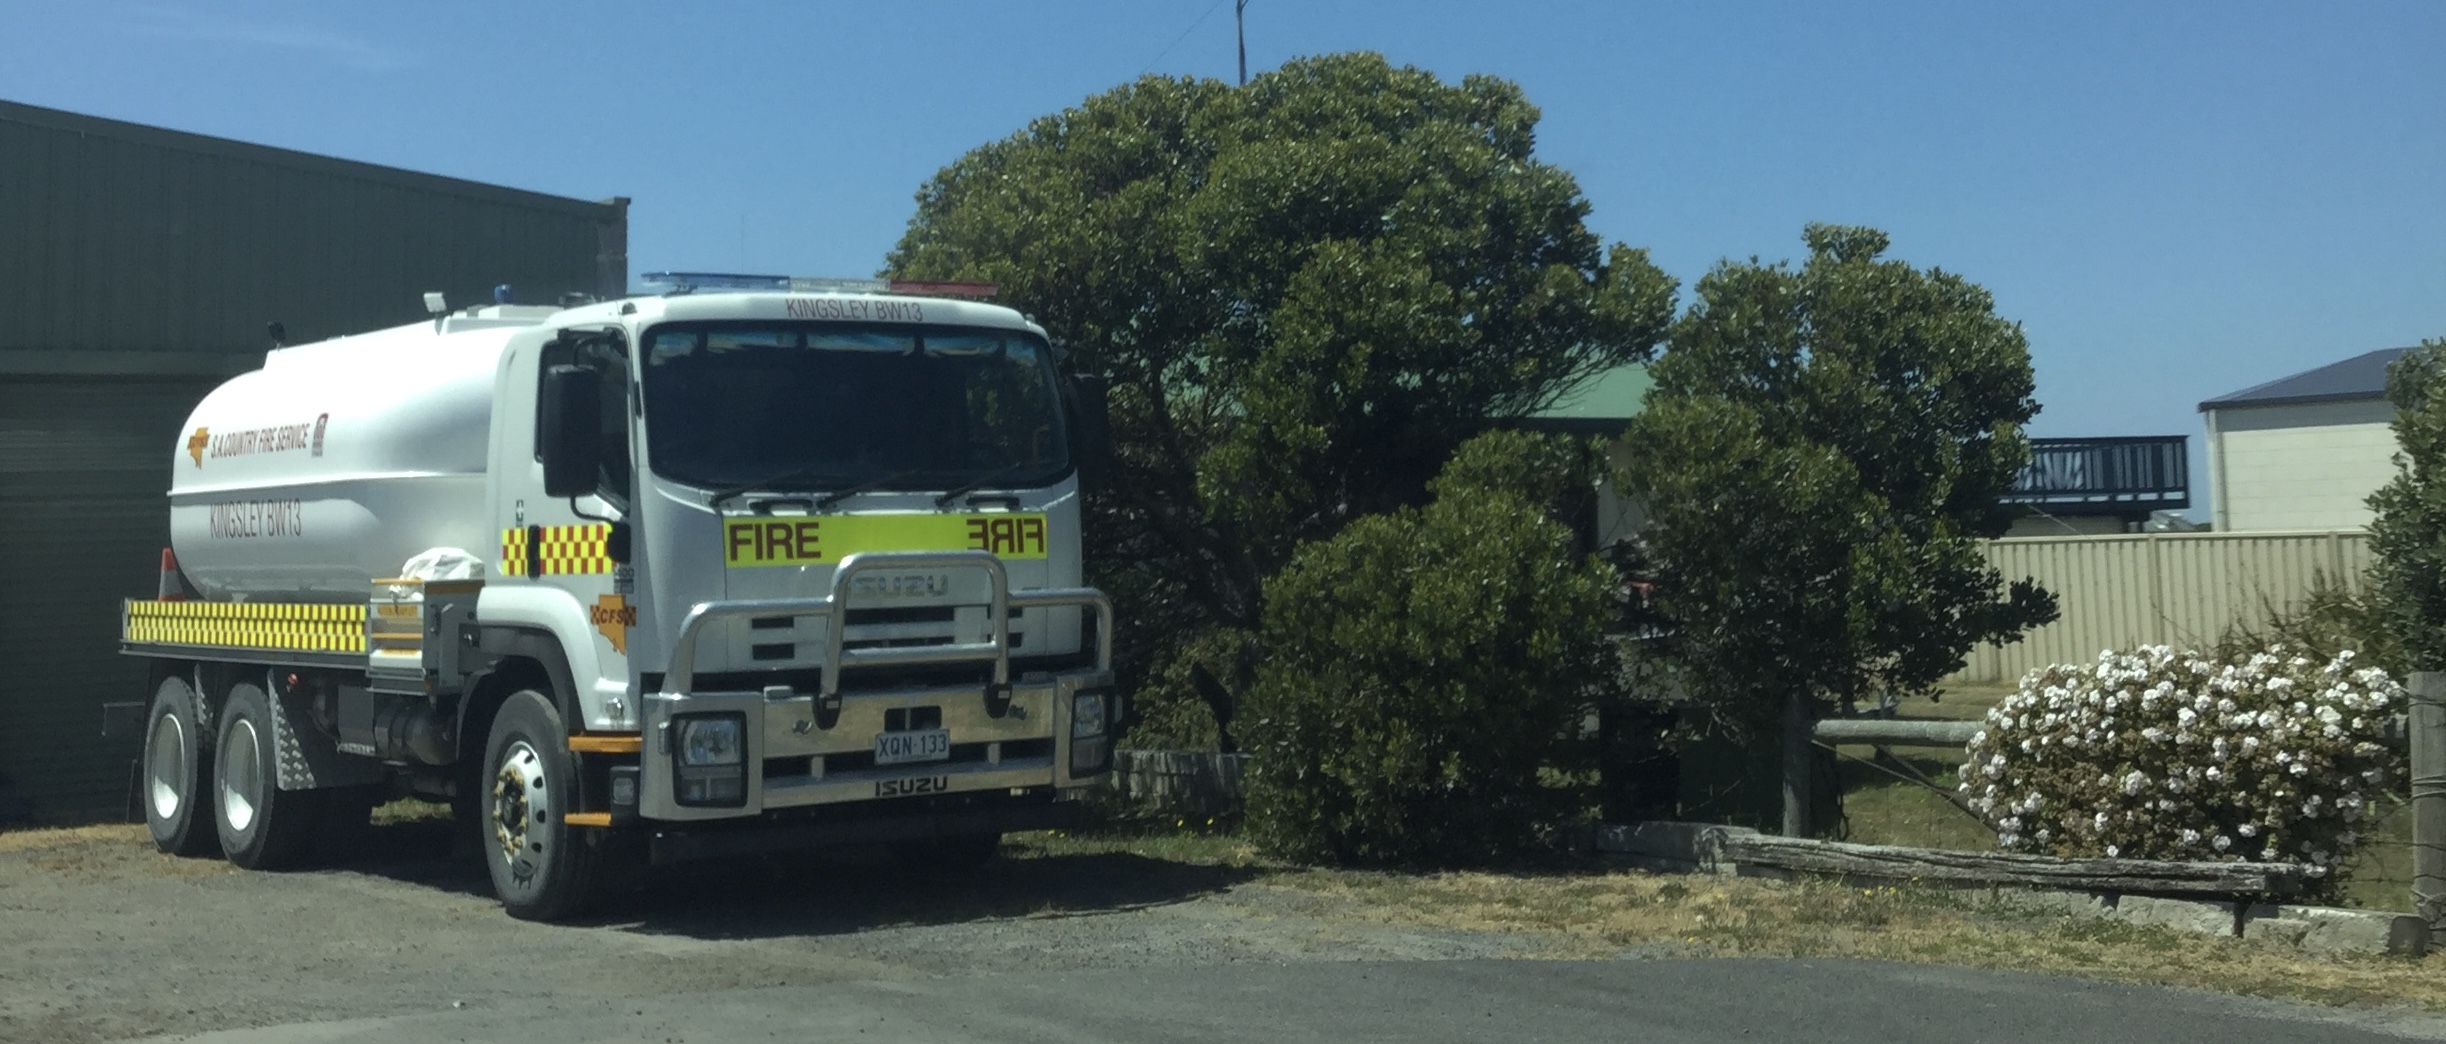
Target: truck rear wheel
point(262, 827)
point(543, 869)
point(177, 772)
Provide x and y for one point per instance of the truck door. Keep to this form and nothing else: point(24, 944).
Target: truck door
point(567, 535)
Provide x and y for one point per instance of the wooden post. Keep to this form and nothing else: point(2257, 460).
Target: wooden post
point(2428, 741)
point(1797, 763)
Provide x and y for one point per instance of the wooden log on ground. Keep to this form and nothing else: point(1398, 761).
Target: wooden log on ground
point(1897, 863)
point(1888, 732)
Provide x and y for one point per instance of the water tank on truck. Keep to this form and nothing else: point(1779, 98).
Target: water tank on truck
point(338, 461)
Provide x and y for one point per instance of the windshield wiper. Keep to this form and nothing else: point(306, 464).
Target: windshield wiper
point(793, 476)
point(975, 484)
point(839, 495)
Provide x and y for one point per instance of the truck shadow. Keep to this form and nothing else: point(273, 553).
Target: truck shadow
point(817, 894)
point(854, 891)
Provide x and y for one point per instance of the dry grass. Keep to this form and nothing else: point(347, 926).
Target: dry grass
point(1600, 914)
point(35, 839)
point(102, 852)
point(409, 810)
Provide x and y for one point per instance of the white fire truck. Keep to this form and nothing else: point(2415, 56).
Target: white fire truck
point(759, 563)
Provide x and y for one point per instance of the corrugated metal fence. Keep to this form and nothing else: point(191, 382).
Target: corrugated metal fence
point(2158, 588)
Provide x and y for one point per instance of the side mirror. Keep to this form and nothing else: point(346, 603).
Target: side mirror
point(1091, 411)
point(569, 421)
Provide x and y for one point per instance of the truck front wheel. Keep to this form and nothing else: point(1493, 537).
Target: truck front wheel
point(177, 772)
point(262, 827)
point(543, 869)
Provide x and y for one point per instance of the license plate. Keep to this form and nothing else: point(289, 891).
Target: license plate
point(901, 748)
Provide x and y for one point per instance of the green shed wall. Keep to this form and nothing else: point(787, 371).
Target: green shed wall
point(138, 269)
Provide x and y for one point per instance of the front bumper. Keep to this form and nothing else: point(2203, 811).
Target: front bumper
point(989, 814)
point(791, 763)
point(800, 749)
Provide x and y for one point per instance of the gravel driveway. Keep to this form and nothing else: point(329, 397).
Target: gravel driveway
point(106, 939)
point(102, 939)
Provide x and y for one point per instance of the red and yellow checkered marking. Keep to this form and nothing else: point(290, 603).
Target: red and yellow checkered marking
point(286, 626)
point(567, 550)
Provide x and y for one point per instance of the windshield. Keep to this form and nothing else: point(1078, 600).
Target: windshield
point(821, 406)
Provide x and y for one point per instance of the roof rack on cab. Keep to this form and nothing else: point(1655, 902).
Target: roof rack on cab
point(691, 282)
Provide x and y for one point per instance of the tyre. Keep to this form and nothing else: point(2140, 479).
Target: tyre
point(262, 827)
point(542, 868)
point(947, 855)
point(177, 781)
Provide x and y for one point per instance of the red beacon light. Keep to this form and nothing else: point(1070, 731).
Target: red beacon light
point(692, 282)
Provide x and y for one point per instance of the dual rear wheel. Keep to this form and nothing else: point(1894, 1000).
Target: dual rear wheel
point(212, 784)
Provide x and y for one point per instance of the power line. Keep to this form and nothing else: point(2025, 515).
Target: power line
point(1193, 27)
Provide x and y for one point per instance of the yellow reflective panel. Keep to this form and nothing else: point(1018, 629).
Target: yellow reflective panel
point(794, 540)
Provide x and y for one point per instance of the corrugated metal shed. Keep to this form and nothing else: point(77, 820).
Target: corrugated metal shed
point(2180, 589)
point(138, 267)
point(117, 237)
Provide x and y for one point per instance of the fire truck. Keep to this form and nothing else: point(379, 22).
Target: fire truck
point(759, 563)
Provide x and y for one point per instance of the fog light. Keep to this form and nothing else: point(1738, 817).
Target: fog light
point(710, 760)
point(1091, 755)
point(624, 795)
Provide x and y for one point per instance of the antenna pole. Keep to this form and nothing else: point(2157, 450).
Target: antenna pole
point(1239, 11)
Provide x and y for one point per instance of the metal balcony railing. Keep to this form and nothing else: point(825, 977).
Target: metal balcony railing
point(2131, 475)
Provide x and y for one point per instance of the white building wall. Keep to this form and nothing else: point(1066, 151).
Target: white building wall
point(2309, 466)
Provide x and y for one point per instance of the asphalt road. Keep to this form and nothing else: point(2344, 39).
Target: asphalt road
point(1413, 1002)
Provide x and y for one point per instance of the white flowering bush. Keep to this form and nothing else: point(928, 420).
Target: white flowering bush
point(2158, 754)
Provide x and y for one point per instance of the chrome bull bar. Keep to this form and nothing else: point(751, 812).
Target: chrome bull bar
point(679, 675)
point(660, 771)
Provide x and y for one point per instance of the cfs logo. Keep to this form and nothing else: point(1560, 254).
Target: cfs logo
point(612, 615)
point(910, 787)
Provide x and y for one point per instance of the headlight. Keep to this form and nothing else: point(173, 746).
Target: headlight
point(1087, 715)
point(712, 762)
point(709, 741)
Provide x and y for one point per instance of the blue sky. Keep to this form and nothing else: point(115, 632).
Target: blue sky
point(2176, 200)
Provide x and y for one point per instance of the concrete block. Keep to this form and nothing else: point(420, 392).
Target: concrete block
point(1683, 847)
point(2277, 931)
point(2063, 904)
point(2190, 915)
point(2360, 931)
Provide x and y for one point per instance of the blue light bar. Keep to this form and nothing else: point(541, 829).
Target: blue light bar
point(686, 282)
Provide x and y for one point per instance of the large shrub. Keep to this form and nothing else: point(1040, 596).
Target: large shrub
point(2408, 523)
point(2156, 754)
point(1305, 292)
point(1824, 447)
point(1428, 671)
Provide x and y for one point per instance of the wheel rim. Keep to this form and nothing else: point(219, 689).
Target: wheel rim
point(168, 764)
point(521, 808)
point(241, 774)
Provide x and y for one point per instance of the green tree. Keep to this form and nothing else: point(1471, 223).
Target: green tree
point(1305, 293)
point(2408, 536)
point(1428, 669)
point(1820, 451)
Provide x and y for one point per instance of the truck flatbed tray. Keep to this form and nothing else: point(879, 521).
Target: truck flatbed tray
point(317, 633)
point(241, 654)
